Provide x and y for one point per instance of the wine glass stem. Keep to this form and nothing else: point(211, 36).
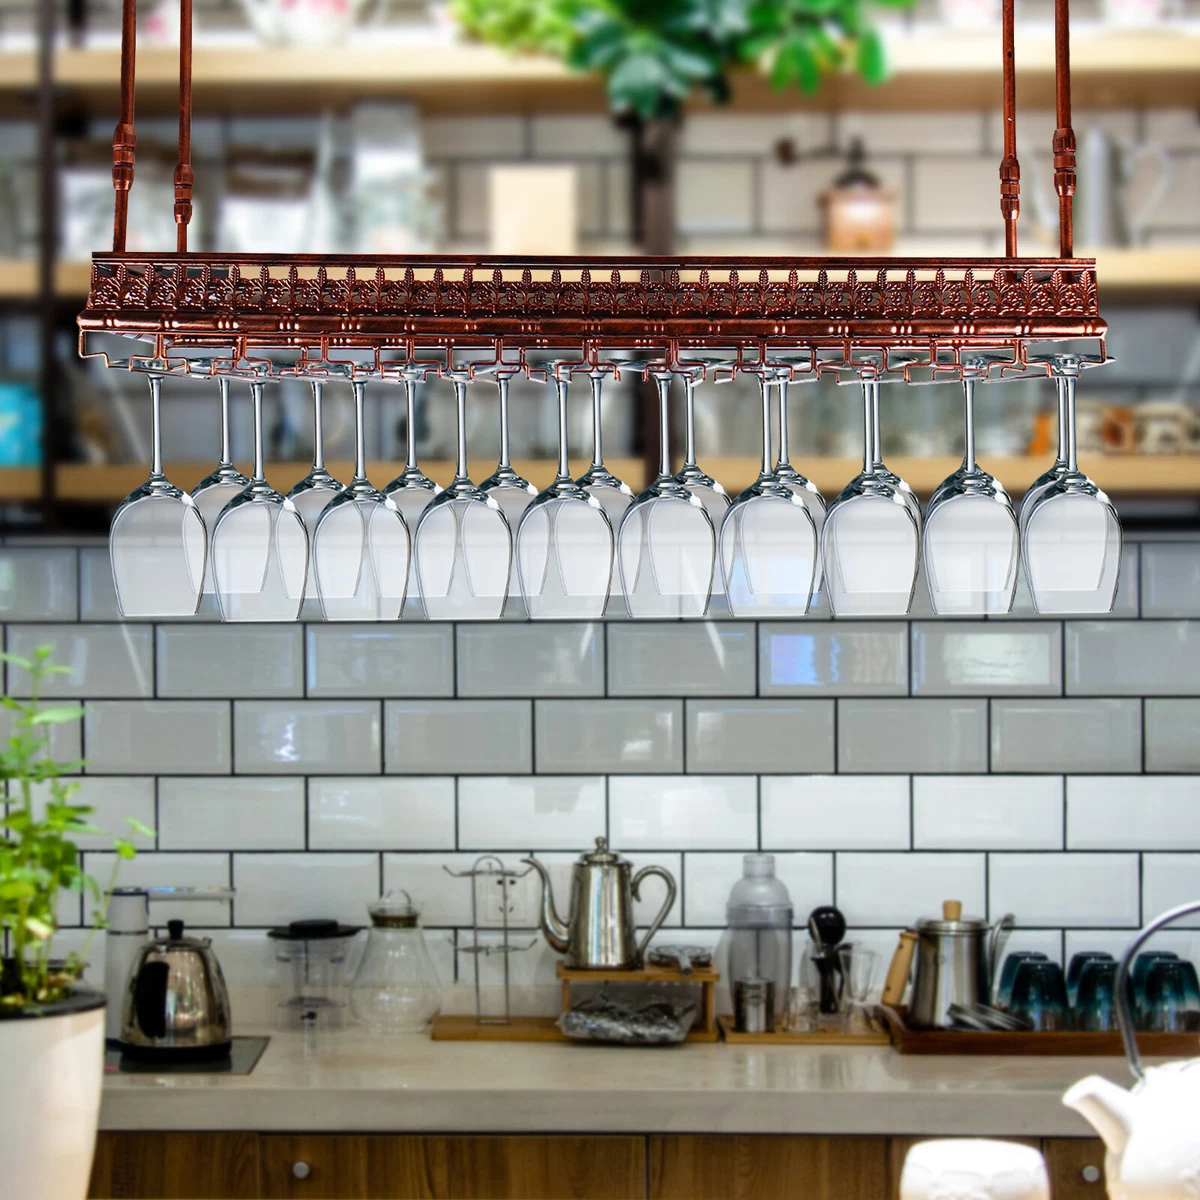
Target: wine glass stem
point(597, 451)
point(410, 392)
point(869, 428)
point(689, 427)
point(1072, 457)
point(256, 395)
point(564, 472)
point(664, 437)
point(226, 457)
point(783, 428)
point(969, 424)
point(502, 388)
point(1060, 382)
point(360, 446)
point(460, 396)
point(764, 390)
point(318, 437)
point(876, 440)
point(155, 426)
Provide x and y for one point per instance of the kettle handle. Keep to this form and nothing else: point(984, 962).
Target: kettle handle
point(1122, 986)
point(999, 936)
point(663, 912)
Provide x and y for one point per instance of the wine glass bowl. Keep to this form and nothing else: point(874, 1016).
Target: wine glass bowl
point(361, 546)
point(462, 544)
point(666, 544)
point(158, 543)
point(970, 538)
point(259, 546)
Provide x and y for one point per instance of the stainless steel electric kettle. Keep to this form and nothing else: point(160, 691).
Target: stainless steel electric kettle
point(599, 932)
point(176, 1003)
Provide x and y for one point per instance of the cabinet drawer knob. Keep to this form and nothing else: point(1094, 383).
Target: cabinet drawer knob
point(1090, 1174)
point(301, 1170)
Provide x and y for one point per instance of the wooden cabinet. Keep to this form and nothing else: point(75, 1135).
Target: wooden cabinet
point(383, 1167)
point(767, 1168)
point(1076, 1168)
point(176, 1166)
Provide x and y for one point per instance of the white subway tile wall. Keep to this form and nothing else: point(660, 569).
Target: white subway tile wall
point(1047, 767)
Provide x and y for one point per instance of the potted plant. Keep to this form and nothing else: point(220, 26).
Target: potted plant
point(51, 1025)
point(653, 54)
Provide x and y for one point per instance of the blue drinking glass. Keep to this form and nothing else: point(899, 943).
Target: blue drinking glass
point(1137, 978)
point(1039, 996)
point(1008, 973)
point(1171, 1002)
point(1095, 1006)
point(1077, 966)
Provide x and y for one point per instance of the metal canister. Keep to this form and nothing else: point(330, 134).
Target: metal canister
point(754, 1005)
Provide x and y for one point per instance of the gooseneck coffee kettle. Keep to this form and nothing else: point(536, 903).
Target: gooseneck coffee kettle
point(599, 932)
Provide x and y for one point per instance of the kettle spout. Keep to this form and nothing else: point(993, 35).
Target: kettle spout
point(553, 925)
point(1106, 1107)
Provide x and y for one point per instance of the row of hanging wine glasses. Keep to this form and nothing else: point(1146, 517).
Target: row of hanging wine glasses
point(671, 550)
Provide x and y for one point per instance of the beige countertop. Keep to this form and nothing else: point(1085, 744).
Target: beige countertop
point(351, 1081)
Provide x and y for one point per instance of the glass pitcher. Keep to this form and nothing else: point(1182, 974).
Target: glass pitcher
point(395, 989)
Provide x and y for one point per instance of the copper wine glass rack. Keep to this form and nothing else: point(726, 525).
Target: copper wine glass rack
point(263, 316)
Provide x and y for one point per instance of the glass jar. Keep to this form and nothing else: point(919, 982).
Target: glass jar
point(395, 989)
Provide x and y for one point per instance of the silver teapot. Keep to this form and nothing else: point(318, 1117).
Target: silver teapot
point(599, 932)
point(176, 1003)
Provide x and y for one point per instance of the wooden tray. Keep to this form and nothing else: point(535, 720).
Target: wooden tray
point(1068, 1042)
point(783, 1037)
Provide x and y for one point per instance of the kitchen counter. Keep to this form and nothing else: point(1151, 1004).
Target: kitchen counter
point(350, 1081)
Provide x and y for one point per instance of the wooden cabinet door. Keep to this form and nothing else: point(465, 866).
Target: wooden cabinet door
point(385, 1167)
point(767, 1168)
point(1076, 1168)
point(175, 1166)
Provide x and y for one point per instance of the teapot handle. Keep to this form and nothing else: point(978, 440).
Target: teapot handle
point(1124, 1013)
point(663, 912)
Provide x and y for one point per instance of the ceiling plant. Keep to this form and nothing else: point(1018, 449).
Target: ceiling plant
point(654, 54)
point(51, 1026)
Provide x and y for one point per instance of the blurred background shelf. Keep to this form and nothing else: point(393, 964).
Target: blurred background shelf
point(928, 71)
point(19, 279)
point(1123, 475)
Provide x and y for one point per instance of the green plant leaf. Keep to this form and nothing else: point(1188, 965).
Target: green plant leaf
point(139, 828)
point(59, 715)
point(40, 929)
point(870, 57)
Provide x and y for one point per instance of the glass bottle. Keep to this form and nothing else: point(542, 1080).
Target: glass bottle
point(395, 989)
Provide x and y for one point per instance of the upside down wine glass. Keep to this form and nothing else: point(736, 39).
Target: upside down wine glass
point(768, 541)
point(316, 489)
point(666, 544)
point(564, 543)
point(411, 490)
point(463, 547)
point(512, 492)
point(786, 474)
point(614, 496)
point(260, 546)
point(871, 538)
point(216, 490)
point(1071, 542)
point(157, 541)
point(701, 485)
point(361, 545)
point(970, 538)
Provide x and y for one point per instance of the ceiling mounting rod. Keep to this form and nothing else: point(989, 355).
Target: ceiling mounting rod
point(1064, 135)
point(124, 136)
point(185, 177)
point(1010, 168)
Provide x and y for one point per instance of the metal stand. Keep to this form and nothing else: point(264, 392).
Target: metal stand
point(490, 867)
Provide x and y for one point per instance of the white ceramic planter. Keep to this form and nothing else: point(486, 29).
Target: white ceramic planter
point(53, 1067)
